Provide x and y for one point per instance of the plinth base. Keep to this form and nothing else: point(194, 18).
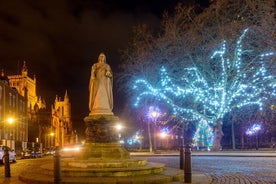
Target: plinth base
point(127, 171)
point(103, 151)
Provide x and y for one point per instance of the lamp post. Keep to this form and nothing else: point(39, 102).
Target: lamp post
point(119, 127)
point(254, 129)
point(52, 134)
point(164, 136)
point(150, 142)
point(153, 113)
point(10, 121)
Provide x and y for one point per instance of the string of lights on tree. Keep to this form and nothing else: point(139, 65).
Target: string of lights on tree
point(209, 94)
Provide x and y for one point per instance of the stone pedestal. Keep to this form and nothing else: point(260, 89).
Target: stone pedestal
point(102, 139)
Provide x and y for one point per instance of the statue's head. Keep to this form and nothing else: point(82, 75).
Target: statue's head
point(102, 58)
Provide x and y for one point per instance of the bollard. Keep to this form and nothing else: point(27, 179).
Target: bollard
point(57, 166)
point(187, 165)
point(181, 157)
point(7, 163)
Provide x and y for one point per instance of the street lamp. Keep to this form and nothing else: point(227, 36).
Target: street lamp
point(119, 127)
point(164, 134)
point(10, 120)
point(254, 129)
point(52, 134)
point(153, 114)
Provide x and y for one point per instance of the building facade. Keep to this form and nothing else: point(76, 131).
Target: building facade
point(23, 81)
point(34, 103)
point(13, 116)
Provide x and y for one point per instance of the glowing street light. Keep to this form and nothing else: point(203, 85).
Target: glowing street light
point(153, 113)
point(10, 120)
point(254, 129)
point(52, 136)
point(119, 127)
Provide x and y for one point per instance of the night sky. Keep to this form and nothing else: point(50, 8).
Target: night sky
point(61, 39)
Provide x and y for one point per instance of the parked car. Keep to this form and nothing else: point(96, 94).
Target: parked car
point(12, 154)
point(31, 153)
point(49, 151)
point(26, 154)
point(36, 153)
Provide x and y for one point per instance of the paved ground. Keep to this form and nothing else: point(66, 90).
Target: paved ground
point(204, 176)
point(249, 167)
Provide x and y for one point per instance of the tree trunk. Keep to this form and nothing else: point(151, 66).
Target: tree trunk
point(217, 135)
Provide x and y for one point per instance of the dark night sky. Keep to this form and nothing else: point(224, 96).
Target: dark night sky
point(61, 39)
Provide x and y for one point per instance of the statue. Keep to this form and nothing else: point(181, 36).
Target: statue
point(100, 88)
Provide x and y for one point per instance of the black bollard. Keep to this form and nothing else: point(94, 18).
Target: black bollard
point(187, 165)
point(181, 157)
point(7, 163)
point(57, 166)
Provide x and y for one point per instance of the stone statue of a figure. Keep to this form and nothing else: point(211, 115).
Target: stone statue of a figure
point(100, 88)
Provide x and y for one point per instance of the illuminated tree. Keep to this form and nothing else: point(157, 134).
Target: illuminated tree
point(186, 39)
point(232, 80)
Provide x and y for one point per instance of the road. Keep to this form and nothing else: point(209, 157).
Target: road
point(229, 170)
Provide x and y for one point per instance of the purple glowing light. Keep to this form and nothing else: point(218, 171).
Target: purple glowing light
point(253, 129)
point(153, 113)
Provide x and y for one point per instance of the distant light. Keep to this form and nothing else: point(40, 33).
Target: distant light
point(10, 120)
point(119, 127)
point(163, 134)
point(71, 148)
point(153, 113)
point(253, 129)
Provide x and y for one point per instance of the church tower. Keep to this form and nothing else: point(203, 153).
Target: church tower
point(61, 116)
point(22, 82)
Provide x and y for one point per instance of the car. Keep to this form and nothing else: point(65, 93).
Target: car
point(26, 154)
point(31, 153)
point(49, 151)
point(36, 153)
point(12, 154)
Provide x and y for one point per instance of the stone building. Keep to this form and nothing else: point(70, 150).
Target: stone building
point(23, 81)
point(61, 121)
point(13, 115)
point(34, 104)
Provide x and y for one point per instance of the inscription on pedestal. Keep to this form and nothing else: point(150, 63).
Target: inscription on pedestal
point(102, 139)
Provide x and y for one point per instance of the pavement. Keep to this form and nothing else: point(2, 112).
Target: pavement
point(238, 153)
point(204, 178)
point(197, 177)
